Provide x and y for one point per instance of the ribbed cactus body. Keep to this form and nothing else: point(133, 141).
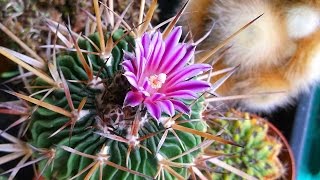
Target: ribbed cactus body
point(105, 100)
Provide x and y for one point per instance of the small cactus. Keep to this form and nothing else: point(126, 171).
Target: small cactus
point(259, 155)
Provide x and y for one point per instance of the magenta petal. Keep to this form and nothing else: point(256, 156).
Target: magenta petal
point(182, 94)
point(157, 96)
point(182, 62)
point(131, 78)
point(139, 58)
point(187, 72)
point(145, 41)
point(157, 58)
point(193, 85)
point(173, 39)
point(133, 99)
point(145, 83)
point(170, 60)
point(180, 106)
point(159, 49)
point(142, 67)
point(155, 44)
point(128, 55)
point(127, 66)
point(153, 109)
point(167, 107)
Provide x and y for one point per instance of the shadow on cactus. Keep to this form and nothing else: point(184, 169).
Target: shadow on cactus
point(120, 103)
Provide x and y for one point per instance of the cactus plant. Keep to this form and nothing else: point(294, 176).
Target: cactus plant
point(115, 103)
point(259, 155)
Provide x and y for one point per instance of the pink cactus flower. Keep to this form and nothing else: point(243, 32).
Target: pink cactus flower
point(160, 75)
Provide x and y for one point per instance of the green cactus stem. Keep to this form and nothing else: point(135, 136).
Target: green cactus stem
point(104, 113)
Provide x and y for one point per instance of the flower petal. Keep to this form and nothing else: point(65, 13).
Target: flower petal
point(167, 107)
point(145, 42)
point(141, 71)
point(145, 83)
point(156, 39)
point(127, 65)
point(187, 72)
point(170, 60)
point(154, 109)
point(157, 96)
point(139, 58)
point(133, 99)
point(128, 55)
point(180, 106)
point(193, 85)
point(157, 54)
point(173, 39)
point(182, 62)
point(182, 94)
point(131, 78)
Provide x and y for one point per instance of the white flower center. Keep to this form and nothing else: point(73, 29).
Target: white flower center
point(156, 81)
